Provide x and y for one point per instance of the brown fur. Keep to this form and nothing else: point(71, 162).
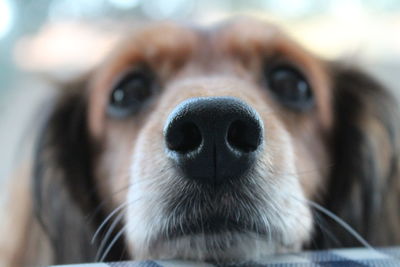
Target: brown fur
point(345, 148)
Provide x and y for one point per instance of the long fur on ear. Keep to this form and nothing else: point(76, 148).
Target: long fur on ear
point(65, 198)
point(364, 186)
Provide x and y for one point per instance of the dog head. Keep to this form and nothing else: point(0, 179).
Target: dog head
point(210, 145)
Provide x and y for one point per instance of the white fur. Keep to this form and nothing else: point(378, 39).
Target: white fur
point(285, 216)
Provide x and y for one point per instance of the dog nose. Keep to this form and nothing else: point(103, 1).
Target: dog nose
point(213, 139)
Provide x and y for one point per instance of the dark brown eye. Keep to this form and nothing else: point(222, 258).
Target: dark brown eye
point(129, 94)
point(290, 87)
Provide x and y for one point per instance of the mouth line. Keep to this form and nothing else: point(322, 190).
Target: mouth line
point(212, 225)
point(211, 211)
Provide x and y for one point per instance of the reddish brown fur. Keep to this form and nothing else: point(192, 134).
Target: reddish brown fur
point(226, 61)
point(238, 49)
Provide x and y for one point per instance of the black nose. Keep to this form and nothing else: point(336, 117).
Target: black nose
point(213, 139)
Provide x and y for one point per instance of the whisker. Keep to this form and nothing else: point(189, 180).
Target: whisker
point(108, 199)
point(320, 222)
point(119, 208)
point(338, 220)
point(108, 234)
point(126, 187)
point(341, 222)
point(101, 226)
point(115, 239)
point(305, 171)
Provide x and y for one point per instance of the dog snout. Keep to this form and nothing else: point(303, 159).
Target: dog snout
point(213, 139)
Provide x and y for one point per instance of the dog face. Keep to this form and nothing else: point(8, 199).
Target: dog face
point(202, 214)
point(209, 144)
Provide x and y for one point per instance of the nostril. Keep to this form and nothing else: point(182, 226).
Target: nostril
point(213, 139)
point(184, 138)
point(244, 136)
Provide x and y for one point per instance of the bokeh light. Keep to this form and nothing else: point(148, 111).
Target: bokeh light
point(164, 9)
point(124, 4)
point(6, 17)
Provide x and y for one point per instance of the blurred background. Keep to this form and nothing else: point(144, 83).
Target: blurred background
point(42, 41)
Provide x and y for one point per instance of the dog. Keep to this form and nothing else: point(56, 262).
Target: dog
point(224, 145)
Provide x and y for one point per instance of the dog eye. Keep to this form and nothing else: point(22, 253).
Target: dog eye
point(290, 87)
point(129, 94)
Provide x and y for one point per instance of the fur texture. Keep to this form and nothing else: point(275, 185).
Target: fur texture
point(95, 175)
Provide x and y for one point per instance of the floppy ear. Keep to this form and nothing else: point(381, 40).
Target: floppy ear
point(65, 197)
point(364, 186)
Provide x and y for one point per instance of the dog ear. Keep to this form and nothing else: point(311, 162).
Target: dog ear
point(364, 187)
point(65, 198)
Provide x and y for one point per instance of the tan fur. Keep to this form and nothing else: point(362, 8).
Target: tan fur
point(130, 165)
point(243, 40)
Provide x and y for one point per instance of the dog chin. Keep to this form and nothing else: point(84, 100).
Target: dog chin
point(219, 247)
point(170, 218)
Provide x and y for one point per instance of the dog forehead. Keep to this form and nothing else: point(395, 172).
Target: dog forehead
point(169, 33)
point(168, 40)
point(246, 31)
point(167, 46)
